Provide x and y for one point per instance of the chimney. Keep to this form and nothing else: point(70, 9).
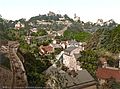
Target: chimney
point(119, 61)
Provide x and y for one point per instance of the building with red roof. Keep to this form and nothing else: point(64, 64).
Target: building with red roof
point(46, 49)
point(104, 74)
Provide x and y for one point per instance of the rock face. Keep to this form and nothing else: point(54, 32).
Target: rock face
point(5, 77)
point(19, 76)
point(15, 76)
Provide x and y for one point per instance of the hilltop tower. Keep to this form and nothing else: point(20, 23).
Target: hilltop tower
point(76, 18)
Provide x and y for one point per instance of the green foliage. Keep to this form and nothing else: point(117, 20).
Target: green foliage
point(68, 34)
point(112, 62)
point(39, 33)
point(78, 36)
point(13, 34)
point(88, 25)
point(44, 42)
point(95, 39)
point(75, 31)
point(4, 60)
point(56, 27)
point(89, 60)
point(115, 85)
point(82, 36)
point(107, 39)
point(75, 27)
point(58, 50)
point(34, 64)
point(36, 79)
point(44, 17)
point(3, 24)
point(68, 18)
point(112, 41)
point(24, 47)
point(112, 84)
point(34, 69)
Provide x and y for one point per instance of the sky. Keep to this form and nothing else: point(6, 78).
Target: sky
point(87, 10)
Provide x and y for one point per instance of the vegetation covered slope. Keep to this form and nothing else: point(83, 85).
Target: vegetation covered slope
point(75, 31)
point(106, 39)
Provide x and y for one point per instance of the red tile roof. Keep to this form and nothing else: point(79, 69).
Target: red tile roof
point(106, 73)
point(47, 48)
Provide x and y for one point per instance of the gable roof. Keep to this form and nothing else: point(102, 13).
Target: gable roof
point(56, 45)
point(77, 56)
point(69, 49)
point(47, 48)
point(82, 79)
point(107, 73)
point(73, 42)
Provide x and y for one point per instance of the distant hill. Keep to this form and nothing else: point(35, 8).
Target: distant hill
point(53, 22)
point(93, 27)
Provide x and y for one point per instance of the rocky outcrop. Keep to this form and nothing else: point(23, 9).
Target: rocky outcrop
point(19, 75)
point(15, 76)
point(5, 77)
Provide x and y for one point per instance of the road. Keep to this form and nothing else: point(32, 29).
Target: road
point(64, 29)
point(61, 32)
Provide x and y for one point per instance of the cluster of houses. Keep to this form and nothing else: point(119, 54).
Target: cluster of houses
point(105, 72)
point(74, 77)
point(61, 44)
point(69, 55)
point(61, 20)
point(106, 23)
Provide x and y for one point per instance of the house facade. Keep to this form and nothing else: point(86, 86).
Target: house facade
point(69, 59)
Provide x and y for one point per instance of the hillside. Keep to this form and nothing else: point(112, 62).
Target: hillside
point(40, 30)
point(106, 39)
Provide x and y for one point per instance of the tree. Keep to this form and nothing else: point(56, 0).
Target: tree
point(112, 84)
point(34, 69)
point(89, 60)
point(107, 39)
point(78, 36)
point(111, 62)
point(67, 18)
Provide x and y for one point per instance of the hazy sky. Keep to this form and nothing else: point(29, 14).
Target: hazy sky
point(88, 10)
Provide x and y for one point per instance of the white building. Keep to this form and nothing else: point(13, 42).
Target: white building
point(34, 30)
point(73, 43)
point(69, 59)
point(100, 22)
point(19, 25)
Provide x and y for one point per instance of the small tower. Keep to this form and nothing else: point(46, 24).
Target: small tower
point(75, 16)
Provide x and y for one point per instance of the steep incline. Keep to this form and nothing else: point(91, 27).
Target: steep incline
point(19, 76)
